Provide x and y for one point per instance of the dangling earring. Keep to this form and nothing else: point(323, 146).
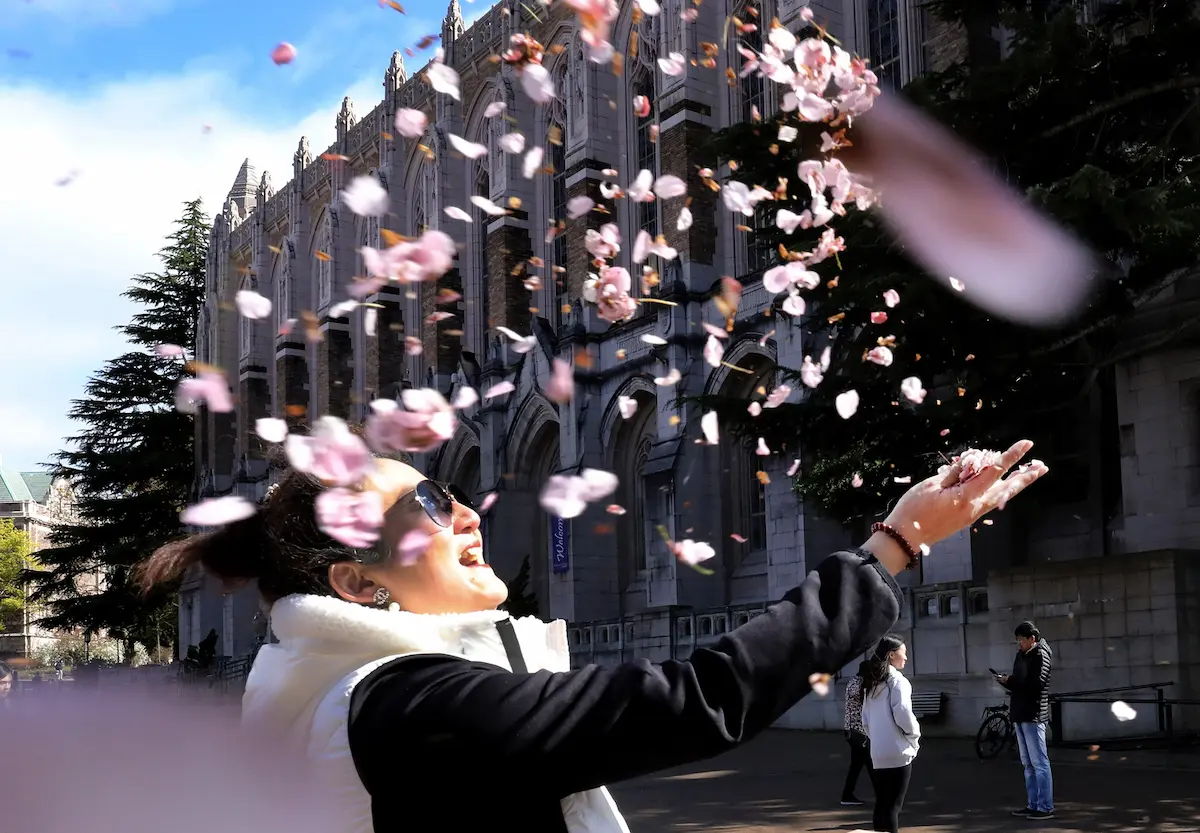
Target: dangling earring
point(382, 597)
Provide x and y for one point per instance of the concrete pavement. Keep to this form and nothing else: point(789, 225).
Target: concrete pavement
point(792, 781)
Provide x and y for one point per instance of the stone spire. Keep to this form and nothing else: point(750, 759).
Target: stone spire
point(303, 156)
point(245, 188)
point(453, 25)
point(346, 118)
point(395, 76)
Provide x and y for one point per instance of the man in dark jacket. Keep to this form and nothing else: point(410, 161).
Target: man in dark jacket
point(1029, 688)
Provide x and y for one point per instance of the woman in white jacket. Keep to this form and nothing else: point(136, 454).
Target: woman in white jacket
point(895, 734)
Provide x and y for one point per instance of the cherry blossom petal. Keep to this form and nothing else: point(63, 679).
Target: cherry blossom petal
point(464, 397)
point(913, 390)
point(271, 429)
point(561, 386)
point(957, 218)
point(856, 481)
point(499, 389)
point(456, 213)
point(957, 285)
point(819, 684)
point(168, 351)
point(793, 468)
point(489, 500)
point(412, 546)
point(714, 331)
point(741, 539)
point(879, 317)
point(370, 319)
point(411, 124)
point(692, 552)
point(512, 142)
point(615, 509)
point(537, 83)
point(353, 518)
point(532, 161)
point(366, 197)
point(650, 338)
point(331, 453)
point(880, 355)
point(443, 79)
point(627, 405)
point(673, 376)
point(413, 346)
point(1123, 712)
point(754, 409)
point(218, 511)
point(343, 308)
point(674, 64)
point(494, 109)
point(709, 427)
point(649, 7)
point(519, 344)
point(793, 305)
point(761, 449)
point(579, 206)
point(669, 186)
point(488, 207)
point(284, 53)
point(208, 389)
point(252, 305)
point(778, 396)
point(685, 219)
point(847, 404)
point(713, 351)
point(471, 150)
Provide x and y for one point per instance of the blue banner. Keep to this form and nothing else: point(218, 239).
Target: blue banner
point(560, 545)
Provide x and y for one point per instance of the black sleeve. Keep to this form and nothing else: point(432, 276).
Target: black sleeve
point(599, 725)
point(1036, 678)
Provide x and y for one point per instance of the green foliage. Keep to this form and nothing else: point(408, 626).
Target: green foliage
point(1099, 123)
point(15, 560)
point(132, 461)
point(521, 600)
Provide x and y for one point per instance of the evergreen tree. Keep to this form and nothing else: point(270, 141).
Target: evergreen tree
point(1098, 122)
point(132, 463)
point(521, 600)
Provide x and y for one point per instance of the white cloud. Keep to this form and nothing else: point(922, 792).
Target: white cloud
point(69, 251)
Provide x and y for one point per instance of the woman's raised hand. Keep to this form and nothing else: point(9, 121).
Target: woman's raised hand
point(954, 498)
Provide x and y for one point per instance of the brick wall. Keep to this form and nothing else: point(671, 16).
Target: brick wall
point(441, 342)
point(684, 149)
point(578, 260)
point(291, 398)
point(335, 373)
point(254, 403)
point(384, 358)
point(508, 300)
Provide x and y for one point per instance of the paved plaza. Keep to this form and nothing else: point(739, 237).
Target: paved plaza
point(792, 781)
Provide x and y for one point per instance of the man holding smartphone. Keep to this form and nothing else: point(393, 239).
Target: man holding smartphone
point(1029, 688)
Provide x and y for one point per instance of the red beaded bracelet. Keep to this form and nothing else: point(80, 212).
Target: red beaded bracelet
point(913, 555)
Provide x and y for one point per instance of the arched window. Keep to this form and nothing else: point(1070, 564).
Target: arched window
point(745, 499)
point(282, 282)
point(751, 100)
point(633, 441)
point(483, 187)
point(556, 129)
point(323, 263)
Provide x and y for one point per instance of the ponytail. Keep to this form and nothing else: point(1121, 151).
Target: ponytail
point(877, 667)
point(235, 554)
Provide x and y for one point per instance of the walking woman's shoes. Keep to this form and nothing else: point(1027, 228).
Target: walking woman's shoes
point(851, 802)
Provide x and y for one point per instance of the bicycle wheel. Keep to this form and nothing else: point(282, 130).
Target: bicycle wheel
point(993, 737)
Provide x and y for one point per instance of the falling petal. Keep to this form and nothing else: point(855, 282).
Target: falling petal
point(168, 351)
point(669, 186)
point(761, 450)
point(284, 53)
point(366, 197)
point(615, 509)
point(957, 285)
point(819, 683)
point(685, 219)
point(252, 305)
point(714, 331)
point(627, 405)
point(464, 398)
point(413, 346)
point(709, 427)
point(561, 386)
point(532, 161)
point(350, 517)
point(512, 142)
point(488, 207)
point(880, 355)
point(411, 124)
point(847, 404)
point(218, 511)
point(879, 317)
point(913, 390)
point(741, 539)
point(537, 83)
point(494, 109)
point(456, 213)
point(754, 409)
point(370, 320)
point(1123, 712)
point(713, 351)
point(271, 429)
point(903, 480)
point(891, 297)
point(489, 500)
point(856, 481)
point(579, 206)
point(443, 80)
point(673, 64)
point(412, 546)
point(793, 468)
point(499, 389)
point(650, 338)
point(673, 376)
point(471, 150)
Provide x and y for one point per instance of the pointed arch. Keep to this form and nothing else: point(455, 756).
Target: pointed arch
point(459, 460)
point(533, 418)
point(322, 258)
point(630, 442)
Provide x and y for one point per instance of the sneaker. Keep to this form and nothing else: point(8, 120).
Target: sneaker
point(1024, 813)
point(851, 802)
point(1040, 815)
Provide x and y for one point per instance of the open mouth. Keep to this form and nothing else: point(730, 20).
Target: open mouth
point(472, 557)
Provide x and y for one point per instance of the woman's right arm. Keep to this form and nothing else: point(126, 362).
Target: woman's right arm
point(585, 728)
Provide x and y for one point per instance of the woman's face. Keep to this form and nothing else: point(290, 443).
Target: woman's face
point(449, 576)
point(899, 657)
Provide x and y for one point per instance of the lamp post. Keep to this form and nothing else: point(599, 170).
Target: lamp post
point(87, 646)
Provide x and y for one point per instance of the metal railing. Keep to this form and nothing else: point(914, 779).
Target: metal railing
point(1165, 707)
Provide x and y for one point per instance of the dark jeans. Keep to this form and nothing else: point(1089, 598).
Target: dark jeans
point(860, 757)
point(891, 785)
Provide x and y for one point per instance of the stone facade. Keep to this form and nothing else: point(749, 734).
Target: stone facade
point(612, 576)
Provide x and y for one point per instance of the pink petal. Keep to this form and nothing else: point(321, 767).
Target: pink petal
point(615, 509)
point(537, 83)
point(891, 297)
point(465, 397)
point(471, 150)
point(443, 80)
point(847, 404)
point(512, 142)
point(412, 546)
point(488, 207)
point(685, 219)
point(762, 450)
point(879, 318)
point(456, 213)
point(754, 409)
point(271, 429)
point(579, 206)
point(793, 468)
point(532, 161)
point(669, 186)
point(713, 351)
point(650, 338)
point(627, 405)
point(411, 124)
point(499, 389)
point(168, 351)
point(741, 539)
point(366, 197)
point(489, 500)
point(284, 53)
point(709, 427)
point(350, 517)
point(413, 346)
point(561, 386)
point(913, 390)
point(716, 332)
point(494, 109)
point(880, 355)
point(856, 481)
point(218, 511)
point(252, 305)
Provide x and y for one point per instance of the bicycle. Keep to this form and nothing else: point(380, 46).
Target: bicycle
point(996, 734)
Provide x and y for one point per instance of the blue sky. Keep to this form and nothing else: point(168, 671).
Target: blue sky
point(114, 95)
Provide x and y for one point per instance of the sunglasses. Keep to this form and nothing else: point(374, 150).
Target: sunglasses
point(435, 499)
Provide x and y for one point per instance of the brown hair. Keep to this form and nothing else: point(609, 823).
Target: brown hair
point(280, 547)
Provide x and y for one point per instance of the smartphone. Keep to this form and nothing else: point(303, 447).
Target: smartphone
point(995, 673)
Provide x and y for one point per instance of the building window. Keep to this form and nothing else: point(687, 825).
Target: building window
point(483, 187)
point(282, 305)
point(756, 509)
point(752, 89)
point(323, 265)
point(646, 152)
point(247, 336)
point(558, 213)
point(883, 41)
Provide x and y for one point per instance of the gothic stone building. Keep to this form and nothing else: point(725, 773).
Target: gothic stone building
point(1059, 558)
